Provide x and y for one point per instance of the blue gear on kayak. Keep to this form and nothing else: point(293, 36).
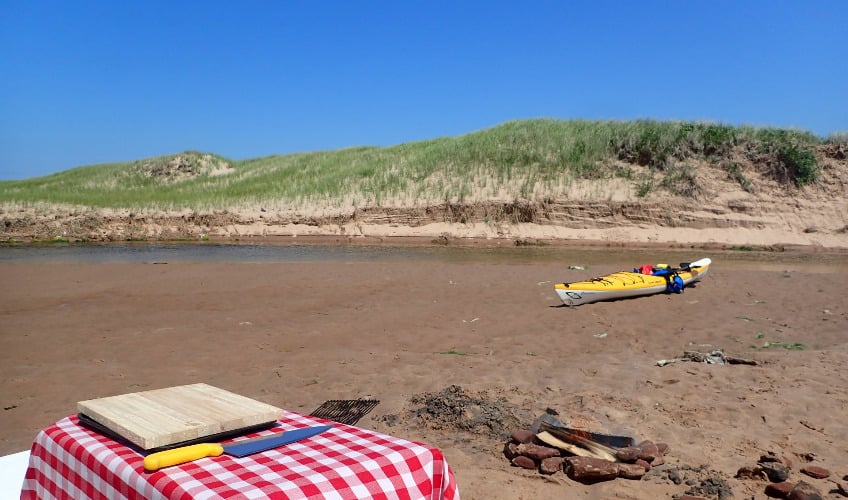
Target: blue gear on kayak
point(674, 283)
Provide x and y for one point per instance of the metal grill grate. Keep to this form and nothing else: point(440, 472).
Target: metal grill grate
point(345, 411)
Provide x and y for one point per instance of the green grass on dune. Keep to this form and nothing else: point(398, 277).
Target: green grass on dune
point(520, 159)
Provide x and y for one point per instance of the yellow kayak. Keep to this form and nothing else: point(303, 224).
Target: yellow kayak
point(625, 284)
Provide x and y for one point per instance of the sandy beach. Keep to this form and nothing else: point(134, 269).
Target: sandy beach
point(486, 334)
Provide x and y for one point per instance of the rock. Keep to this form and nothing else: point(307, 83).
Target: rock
point(590, 469)
point(750, 472)
point(645, 465)
point(674, 476)
point(709, 484)
point(524, 462)
point(629, 454)
point(551, 465)
point(772, 457)
point(815, 471)
point(510, 450)
point(660, 460)
point(522, 436)
point(776, 471)
point(536, 451)
point(804, 491)
point(649, 451)
point(662, 448)
point(691, 497)
point(779, 490)
point(631, 471)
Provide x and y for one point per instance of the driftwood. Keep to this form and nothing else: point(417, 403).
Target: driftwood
point(580, 439)
point(550, 421)
point(548, 438)
point(551, 431)
point(713, 357)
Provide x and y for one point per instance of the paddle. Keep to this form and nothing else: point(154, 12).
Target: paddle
point(706, 261)
point(684, 266)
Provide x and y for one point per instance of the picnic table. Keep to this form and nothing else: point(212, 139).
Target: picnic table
point(69, 460)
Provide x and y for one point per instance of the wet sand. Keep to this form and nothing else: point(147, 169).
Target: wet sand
point(297, 334)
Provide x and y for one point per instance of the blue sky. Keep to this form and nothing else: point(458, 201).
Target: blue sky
point(101, 81)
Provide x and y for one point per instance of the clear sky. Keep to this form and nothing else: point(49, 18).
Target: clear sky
point(85, 82)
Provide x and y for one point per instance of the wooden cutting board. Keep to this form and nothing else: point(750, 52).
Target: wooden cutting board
point(161, 417)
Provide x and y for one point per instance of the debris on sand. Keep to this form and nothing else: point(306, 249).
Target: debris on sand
point(455, 409)
point(712, 356)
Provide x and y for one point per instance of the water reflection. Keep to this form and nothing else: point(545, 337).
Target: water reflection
point(507, 254)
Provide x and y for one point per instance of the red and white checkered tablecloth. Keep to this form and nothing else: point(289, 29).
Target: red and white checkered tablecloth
point(345, 462)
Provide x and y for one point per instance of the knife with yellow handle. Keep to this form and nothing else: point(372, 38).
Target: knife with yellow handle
point(176, 456)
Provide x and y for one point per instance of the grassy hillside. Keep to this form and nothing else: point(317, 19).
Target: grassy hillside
point(529, 160)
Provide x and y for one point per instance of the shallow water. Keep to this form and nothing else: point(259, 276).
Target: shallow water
point(619, 258)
